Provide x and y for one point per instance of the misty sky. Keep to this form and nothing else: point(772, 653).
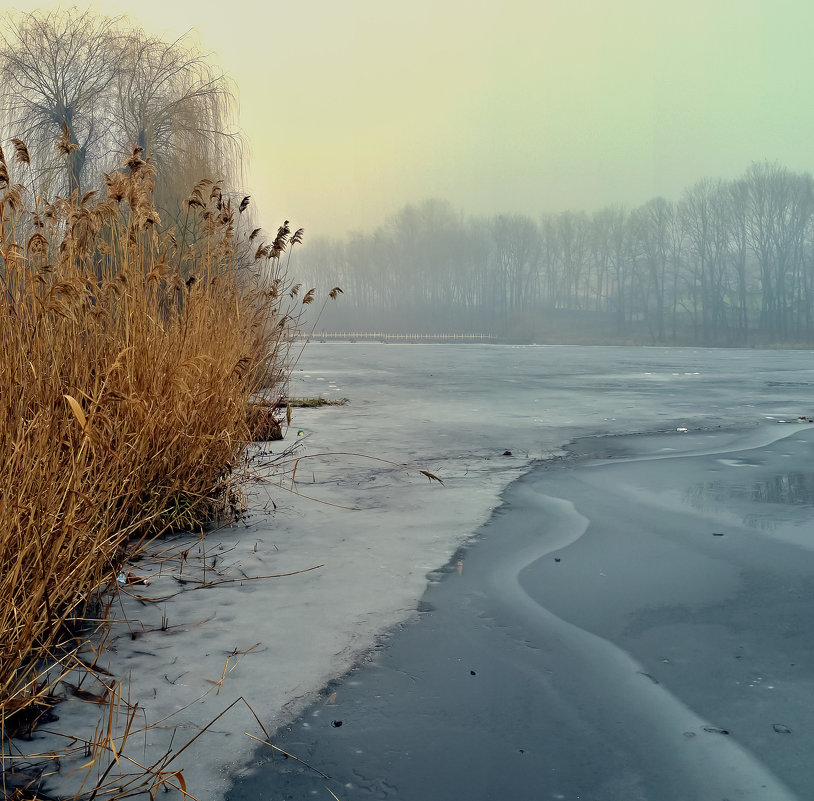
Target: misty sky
point(355, 107)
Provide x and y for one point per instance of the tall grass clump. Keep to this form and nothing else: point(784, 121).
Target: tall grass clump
point(128, 358)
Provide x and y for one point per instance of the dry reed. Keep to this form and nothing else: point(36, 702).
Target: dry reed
point(128, 360)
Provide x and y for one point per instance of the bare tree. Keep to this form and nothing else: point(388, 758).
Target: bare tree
point(105, 86)
point(650, 226)
point(779, 209)
point(56, 72)
point(172, 103)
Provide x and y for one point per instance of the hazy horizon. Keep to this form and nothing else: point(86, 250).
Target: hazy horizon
point(354, 109)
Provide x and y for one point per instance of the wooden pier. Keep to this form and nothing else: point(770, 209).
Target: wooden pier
point(379, 336)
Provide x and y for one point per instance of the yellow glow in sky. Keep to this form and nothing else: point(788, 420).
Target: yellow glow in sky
point(353, 108)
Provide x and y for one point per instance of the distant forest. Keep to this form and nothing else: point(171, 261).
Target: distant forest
point(730, 264)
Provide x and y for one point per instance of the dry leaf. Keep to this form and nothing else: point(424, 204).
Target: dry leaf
point(77, 410)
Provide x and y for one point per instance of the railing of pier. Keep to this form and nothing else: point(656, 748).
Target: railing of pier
point(380, 336)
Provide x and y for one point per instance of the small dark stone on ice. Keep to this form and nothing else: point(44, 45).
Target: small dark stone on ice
point(557, 559)
point(336, 723)
point(781, 729)
point(507, 453)
point(472, 673)
point(522, 751)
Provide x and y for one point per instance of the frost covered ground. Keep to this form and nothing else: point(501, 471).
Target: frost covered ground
point(373, 531)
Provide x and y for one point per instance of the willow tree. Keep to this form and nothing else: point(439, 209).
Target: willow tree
point(57, 70)
point(173, 103)
point(105, 86)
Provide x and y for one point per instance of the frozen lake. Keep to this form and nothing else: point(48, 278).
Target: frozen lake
point(378, 532)
point(601, 639)
point(449, 400)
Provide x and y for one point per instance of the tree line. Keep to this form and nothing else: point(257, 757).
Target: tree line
point(730, 263)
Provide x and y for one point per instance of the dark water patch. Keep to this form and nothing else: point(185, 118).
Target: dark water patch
point(658, 441)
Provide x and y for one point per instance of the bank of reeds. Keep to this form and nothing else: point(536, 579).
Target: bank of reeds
point(128, 360)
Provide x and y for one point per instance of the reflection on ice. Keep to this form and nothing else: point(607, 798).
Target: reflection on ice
point(796, 488)
point(792, 489)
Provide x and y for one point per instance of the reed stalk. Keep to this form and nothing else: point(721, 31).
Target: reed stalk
point(127, 366)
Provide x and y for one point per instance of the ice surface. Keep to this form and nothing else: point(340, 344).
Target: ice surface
point(603, 638)
point(452, 410)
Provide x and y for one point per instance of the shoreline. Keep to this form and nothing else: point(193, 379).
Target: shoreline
point(430, 339)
